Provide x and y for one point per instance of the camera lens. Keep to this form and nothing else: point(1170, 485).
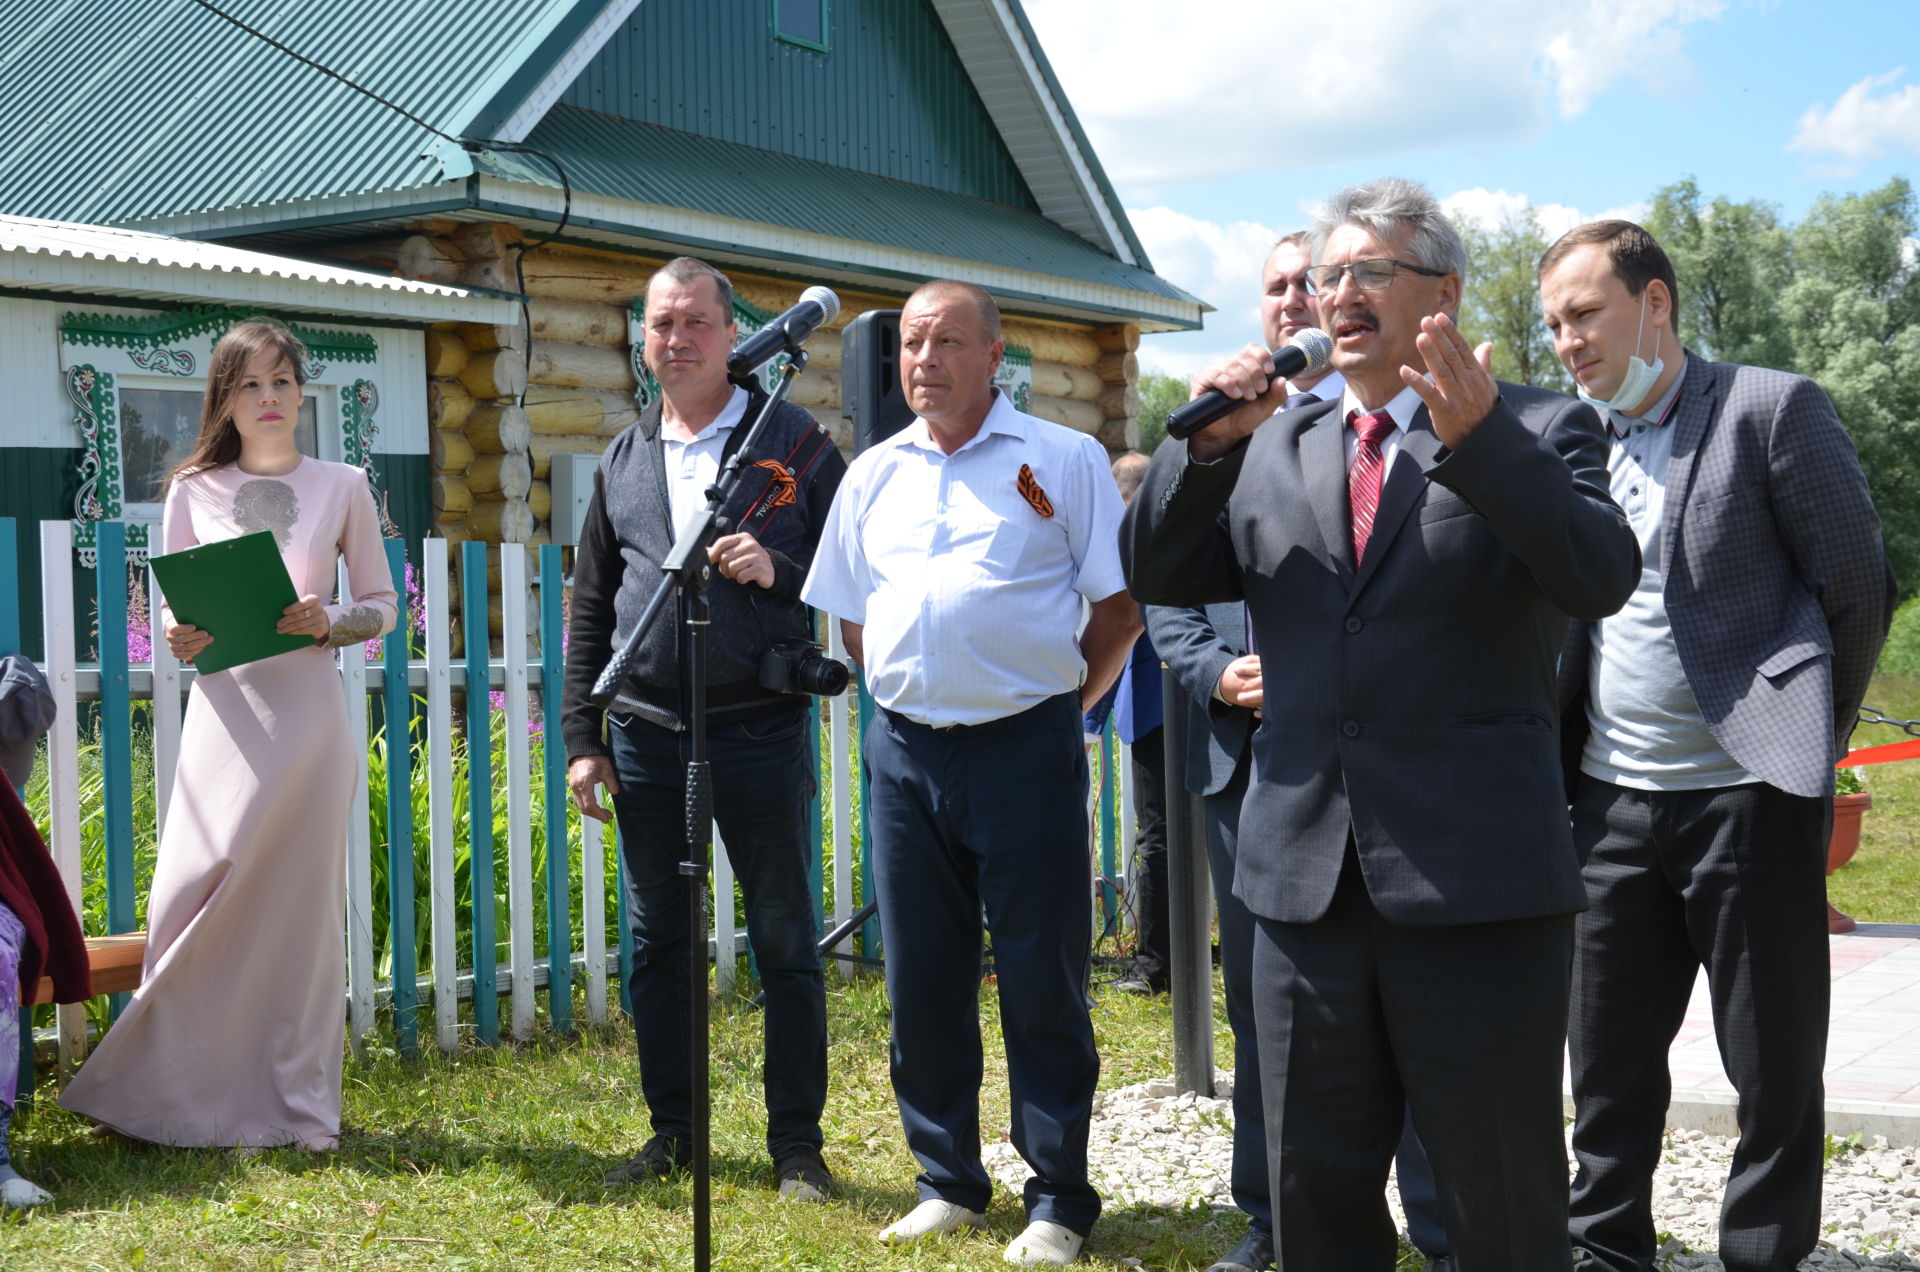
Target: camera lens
point(824, 676)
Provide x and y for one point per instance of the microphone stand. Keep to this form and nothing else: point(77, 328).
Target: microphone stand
point(685, 574)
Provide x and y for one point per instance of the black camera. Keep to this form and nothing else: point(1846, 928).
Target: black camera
point(800, 666)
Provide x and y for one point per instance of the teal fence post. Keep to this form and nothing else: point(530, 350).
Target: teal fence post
point(10, 644)
point(1109, 832)
point(479, 641)
point(625, 928)
point(398, 703)
point(116, 731)
point(870, 944)
point(553, 752)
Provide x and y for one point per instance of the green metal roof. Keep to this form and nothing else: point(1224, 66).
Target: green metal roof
point(132, 112)
point(645, 164)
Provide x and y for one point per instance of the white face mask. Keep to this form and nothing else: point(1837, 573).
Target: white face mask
point(1639, 379)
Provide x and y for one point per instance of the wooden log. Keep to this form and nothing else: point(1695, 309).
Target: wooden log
point(1057, 379)
point(544, 448)
point(500, 374)
point(498, 428)
point(1119, 337)
point(501, 521)
point(1073, 346)
point(488, 239)
point(540, 500)
point(1075, 414)
point(451, 497)
point(430, 258)
point(563, 364)
point(449, 452)
point(485, 337)
point(1118, 401)
point(1118, 368)
point(579, 412)
point(446, 352)
point(816, 388)
point(1119, 435)
point(448, 403)
point(500, 476)
point(381, 254)
point(453, 531)
point(578, 322)
point(559, 274)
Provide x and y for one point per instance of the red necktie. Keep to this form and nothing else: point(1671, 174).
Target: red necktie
point(1363, 479)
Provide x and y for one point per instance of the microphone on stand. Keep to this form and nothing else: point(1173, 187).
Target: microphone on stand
point(1308, 351)
point(786, 333)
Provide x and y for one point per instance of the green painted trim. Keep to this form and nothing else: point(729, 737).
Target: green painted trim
point(150, 335)
point(826, 28)
point(98, 499)
point(913, 280)
point(358, 402)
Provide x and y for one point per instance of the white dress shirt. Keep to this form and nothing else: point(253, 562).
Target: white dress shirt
point(970, 597)
point(692, 466)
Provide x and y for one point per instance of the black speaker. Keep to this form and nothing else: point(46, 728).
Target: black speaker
point(870, 392)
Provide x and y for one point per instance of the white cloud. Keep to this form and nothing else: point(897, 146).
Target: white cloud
point(1868, 119)
point(1492, 208)
point(1212, 88)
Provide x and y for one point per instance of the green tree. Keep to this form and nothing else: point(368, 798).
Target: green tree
point(1158, 395)
point(1501, 302)
point(1733, 262)
point(1852, 314)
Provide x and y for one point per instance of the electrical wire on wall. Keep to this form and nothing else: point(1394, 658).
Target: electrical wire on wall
point(471, 145)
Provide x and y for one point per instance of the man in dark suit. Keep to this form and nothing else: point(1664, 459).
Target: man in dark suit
point(1409, 557)
point(1702, 724)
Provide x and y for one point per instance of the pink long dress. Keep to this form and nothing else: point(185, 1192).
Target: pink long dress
point(234, 1036)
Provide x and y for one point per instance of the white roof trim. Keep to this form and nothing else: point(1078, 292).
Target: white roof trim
point(64, 256)
point(1085, 210)
point(858, 260)
point(565, 71)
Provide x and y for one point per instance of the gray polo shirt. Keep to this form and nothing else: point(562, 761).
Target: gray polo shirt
point(1646, 730)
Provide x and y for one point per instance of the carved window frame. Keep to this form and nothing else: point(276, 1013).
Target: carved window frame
point(100, 353)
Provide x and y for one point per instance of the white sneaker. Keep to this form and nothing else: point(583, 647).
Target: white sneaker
point(1047, 1243)
point(931, 1218)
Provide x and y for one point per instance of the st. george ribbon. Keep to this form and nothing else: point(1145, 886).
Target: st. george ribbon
point(786, 333)
point(1308, 351)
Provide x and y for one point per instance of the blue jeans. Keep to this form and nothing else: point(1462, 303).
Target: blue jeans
point(762, 779)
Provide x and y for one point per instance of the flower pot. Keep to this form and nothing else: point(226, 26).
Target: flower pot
point(1846, 828)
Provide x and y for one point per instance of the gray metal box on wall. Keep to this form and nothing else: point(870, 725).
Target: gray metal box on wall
point(572, 482)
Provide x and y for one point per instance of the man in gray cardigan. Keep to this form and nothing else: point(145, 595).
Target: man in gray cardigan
point(1701, 725)
point(651, 487)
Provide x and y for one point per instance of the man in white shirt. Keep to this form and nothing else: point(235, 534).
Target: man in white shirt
point(959, 558)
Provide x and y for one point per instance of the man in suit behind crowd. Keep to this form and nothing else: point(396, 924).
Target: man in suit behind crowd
point(1409, 563)
point(1702, 724)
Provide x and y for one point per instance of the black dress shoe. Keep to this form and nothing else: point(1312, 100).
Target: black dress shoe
point(1253, 1254)
point(1441, 1263)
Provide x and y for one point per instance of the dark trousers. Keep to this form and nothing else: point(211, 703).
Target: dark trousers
point(1248, 1176)
point(992, 817)
point(761, 783)
point(1152, 951)
point(1733, 879)
point(1360, 1018)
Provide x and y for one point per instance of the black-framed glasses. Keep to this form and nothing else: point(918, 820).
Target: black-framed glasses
point(1368, 275)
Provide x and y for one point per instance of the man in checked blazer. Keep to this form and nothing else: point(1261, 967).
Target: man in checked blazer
point(1701, 724)
point(1409, 556)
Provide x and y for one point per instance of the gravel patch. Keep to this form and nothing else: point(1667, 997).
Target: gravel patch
point(1151, 1146)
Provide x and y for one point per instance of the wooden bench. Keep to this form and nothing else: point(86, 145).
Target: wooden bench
point(114, 962)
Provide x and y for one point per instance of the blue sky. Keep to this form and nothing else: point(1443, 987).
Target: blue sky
point(1574, 108)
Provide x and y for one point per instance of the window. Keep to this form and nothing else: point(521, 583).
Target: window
point(158, 428)
point(802, 22)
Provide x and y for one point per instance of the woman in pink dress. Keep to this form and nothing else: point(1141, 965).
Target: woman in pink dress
point(234, 1037)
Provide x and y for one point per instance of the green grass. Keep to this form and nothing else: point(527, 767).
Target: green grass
point(1882, 882)
point(491, 1159)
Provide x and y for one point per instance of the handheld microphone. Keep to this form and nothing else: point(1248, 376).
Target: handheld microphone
point(1307, 351)
point(786, 333)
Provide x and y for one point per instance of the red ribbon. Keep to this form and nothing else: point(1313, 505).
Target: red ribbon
point(1881, 754)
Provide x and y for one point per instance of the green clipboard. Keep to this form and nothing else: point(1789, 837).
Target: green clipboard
point(236, 589)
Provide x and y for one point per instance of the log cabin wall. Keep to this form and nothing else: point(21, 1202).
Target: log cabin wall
point(492, 458)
